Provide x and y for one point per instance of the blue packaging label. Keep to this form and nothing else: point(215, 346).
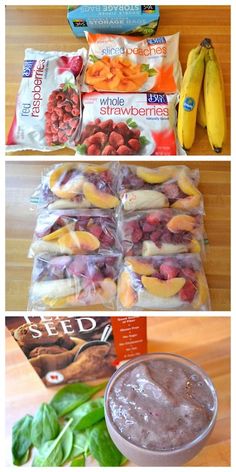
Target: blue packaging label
point(28, 68)
point(141, 20)
point(160, 40)
point(159, 98)
point(189, 104)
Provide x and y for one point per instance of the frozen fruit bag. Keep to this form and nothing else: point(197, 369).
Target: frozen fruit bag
point(48, 107)
point(163, 283)
point(77, 348)
point(71, 232)
point(143, 188)
point(126, 124)
point(72, 281)
point(79, 185)
point(164, 231)
point(128, 64)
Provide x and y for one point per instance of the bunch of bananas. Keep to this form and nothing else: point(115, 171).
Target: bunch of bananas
point(202, 98)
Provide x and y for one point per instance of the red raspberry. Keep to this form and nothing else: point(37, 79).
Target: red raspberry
point(75, 112)
point(187, 292)
point(168, 271)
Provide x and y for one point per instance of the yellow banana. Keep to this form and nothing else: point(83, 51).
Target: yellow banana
point(193, 54)
point(201, 111)
point(189, 98)
point(214, 101)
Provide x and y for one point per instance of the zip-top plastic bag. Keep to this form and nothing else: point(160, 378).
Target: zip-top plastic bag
point(126, 124)
point(128, 64)
point(160, 232)
point(143, 188)
point(70, 281)
point(163, 283)
point(75, 185)
point(75, 232)
point(48, 108)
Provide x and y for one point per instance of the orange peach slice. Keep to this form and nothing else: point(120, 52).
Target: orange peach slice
point(195, 246)
point(155, 176)
point(108, 288)
point(70, 188)
point(59, 302)
point(187, 203)
point(59, 232)
point(181, 223)
point(97, 198)
point(140, 267)
point(93, 168)
point(186, 185)
point(126, 294)
point(202, 291)
point(79, 241)
point(163, 288)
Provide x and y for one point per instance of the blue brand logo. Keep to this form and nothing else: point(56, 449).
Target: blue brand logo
point(159, 98)
point(189, 104)
point(160, 40)
point(28, 68)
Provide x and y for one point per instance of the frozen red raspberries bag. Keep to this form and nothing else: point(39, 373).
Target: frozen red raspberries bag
point(128, 124)
point(47, 115)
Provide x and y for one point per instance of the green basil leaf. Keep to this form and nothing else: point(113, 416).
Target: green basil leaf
point(152, 72)
point(72, 396)
point(87, 414)
point(93, 58)
point(102, 447)
point(80, 444)
point(78, 461)
point(45, 425)
point(82, 148)
point(55, 453)
point(133, 124)
point(144, 67)
point(21, 440)
point(143, 141)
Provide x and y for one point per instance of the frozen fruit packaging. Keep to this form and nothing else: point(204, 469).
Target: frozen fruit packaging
point(143, 188)
point(73, 281)
point(72, 232)
point(160, 232)
point(130, 64)
point(126, 124)
point(79, 185)
point(48, 107)
point(163, 283)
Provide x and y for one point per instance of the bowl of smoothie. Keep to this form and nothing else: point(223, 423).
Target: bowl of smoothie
point(160, 409)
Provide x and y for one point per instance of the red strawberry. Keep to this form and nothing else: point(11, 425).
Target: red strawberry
point(95, 230)
point(168, 271)
point(137, 235)
point(187, 292)
point(188, 273)
point(147, 228)
point(153, 218)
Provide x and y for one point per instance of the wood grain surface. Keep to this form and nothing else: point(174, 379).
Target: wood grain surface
point(46, 28)
point(23, 178)
point(204, 340)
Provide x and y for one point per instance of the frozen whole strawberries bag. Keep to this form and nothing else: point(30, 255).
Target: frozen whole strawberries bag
point(128, 64)
point(47, 115)
point(128, 124)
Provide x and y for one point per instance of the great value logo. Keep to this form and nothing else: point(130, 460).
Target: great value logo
point(160, 40)
point(28, 68)
point(159, 98)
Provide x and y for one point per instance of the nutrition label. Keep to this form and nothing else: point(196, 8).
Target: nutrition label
point(130, 336)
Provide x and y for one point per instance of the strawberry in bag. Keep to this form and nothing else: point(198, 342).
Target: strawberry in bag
point(48, 111)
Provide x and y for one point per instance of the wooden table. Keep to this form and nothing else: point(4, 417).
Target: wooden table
point(46, 28)
point(205, 341)
point(23, 178)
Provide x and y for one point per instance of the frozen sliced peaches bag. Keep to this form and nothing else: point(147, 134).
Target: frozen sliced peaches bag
point(126, 64)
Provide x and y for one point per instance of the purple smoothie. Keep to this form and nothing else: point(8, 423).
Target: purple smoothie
point(160, 404)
